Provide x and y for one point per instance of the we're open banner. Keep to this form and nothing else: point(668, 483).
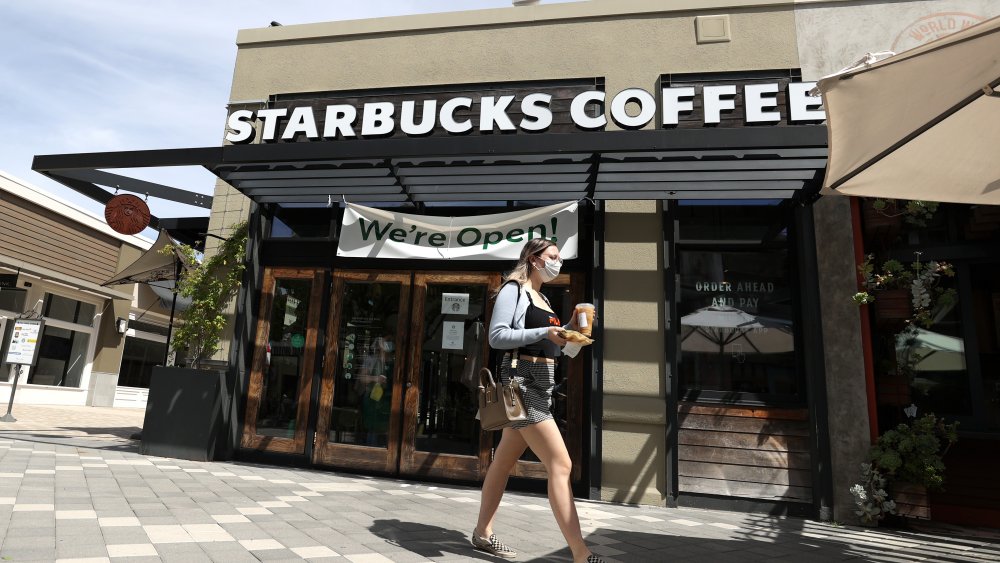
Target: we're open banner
point(367, 232)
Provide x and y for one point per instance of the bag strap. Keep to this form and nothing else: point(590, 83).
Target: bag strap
point(515, 353)
point(486, 378)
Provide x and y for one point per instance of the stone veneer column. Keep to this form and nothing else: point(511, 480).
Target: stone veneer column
point(847, 396)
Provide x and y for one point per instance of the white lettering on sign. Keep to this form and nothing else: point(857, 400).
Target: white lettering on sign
point(339, 120)
point(647, 108)
point(578, 110)
point(455, 115)
point(448, 115)
point(755, 102)
point(800, 102)
point(426, 124)
point(537, 115)
point(673, 104)
point(301, 121)
point(717, 100)
point(493, 112)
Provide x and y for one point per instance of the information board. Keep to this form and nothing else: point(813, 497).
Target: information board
point(24, 339)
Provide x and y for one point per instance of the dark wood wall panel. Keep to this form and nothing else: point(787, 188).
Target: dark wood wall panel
point(760, 453)
point(41, 237)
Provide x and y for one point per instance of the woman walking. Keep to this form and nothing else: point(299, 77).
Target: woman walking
point(524, 324)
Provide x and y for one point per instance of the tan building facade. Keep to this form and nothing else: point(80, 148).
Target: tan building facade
point(622, 44)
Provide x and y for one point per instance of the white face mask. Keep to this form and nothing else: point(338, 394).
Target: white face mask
point(550, 270)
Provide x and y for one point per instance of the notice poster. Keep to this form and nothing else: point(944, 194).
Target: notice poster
point(453, 336)
point(23, 345)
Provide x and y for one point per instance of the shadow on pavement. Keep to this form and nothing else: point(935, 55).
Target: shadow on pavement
point(627, 546)
point(95, 438)
point(426, 540)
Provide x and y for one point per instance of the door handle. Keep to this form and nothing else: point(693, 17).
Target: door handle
point(408, 385)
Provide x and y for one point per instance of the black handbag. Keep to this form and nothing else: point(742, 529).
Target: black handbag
point(501, 405)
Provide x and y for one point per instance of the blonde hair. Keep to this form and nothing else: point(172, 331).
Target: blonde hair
point(522, 269)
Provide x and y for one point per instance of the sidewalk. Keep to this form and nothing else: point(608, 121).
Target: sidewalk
point(72, 488)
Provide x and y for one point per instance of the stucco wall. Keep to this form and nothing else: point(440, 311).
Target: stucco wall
point(630, 48)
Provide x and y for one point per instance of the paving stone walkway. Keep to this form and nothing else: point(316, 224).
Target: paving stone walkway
point(69, 495)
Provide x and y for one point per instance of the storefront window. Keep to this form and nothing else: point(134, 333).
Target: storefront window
point(69, 310)
point(300, 221)
point(285, 349)
point(138, 359)
point(736, 337)
point(62, 357)
point(12, 300)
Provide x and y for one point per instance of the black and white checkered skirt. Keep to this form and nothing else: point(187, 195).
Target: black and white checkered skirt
point(536, 379)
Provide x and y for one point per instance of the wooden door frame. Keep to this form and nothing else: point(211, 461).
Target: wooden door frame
point(431, 464)
point(350, 455)
point(250, 439)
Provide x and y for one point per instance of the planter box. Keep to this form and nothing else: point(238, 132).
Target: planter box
point(187, 414)
point(892, 307)
point(912, 501)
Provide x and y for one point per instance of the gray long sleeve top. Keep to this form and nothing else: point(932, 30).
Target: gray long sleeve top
point(507, 325)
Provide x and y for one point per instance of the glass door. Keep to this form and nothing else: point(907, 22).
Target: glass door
point(441, 436)
point(363, 376)
point(284, 358)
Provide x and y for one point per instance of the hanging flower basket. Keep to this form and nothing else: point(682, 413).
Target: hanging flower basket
point(882, 220)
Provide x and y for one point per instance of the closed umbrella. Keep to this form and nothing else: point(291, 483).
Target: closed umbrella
point(923, 124)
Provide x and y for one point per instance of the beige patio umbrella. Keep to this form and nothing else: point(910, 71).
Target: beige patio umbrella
point(923, 124)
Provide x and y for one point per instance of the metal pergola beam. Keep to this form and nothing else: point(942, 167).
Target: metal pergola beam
point(732, 162)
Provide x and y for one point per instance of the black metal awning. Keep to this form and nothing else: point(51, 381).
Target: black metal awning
point(707, 163)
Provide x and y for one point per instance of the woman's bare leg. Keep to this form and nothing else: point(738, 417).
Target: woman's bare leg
point(510, 449)
point(545, 440)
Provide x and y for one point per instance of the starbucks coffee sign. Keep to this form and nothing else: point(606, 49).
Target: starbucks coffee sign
point(523, 110)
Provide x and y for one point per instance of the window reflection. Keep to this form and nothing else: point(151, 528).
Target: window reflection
point(362, 399)
point(285, 352)
point(736, 329)
point(300, 221)
point(62, 357)
point(449, 378)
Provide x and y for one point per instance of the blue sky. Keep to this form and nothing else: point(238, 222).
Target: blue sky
point(113, 75)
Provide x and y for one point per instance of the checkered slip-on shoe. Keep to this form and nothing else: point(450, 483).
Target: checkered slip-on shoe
point(594, 559)
point(493, 546)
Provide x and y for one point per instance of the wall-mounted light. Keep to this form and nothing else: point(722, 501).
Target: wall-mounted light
point(122, 325)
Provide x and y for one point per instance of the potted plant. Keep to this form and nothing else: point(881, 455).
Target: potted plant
point(889, 288)
point(871, 497)
point(188, 410)
point(906, 295)
point(911, 457)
